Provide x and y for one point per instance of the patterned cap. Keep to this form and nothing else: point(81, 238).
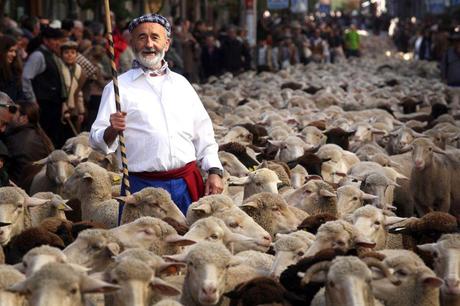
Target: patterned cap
point(155, 18)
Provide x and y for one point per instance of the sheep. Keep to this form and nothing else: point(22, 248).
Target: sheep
point(108, 162)
point(446, 252)
point(258, 181)
point(37, 257)
point(92, 185)
point(28, 239)
point(237, 220)
point(313, 136)
point(258, 291)
point(155, 262)
point(240, 151)
point(434, 178)
point(8, 277)
point(314, 197)
point(57, 168)
point(54, 207)
point(339, 137)
point(372, 223)
point(232, 165)
point(137, 281)
point(290, 148)
point(60, 284)
point(2, 256)
point(347, 280)
point(205, 281)
point(94, 249)
point(338, 235)
point(271, 212)
point(400, 140)
point(289, 249)
point(350, 198)
point(418, 284)
point(282, 171)
point(150, 201)
point(298, 176)
point(78, 146)
point(150, 233)
point(214, 229)
point(238, 134)
point(311, 224)
point(14, 212)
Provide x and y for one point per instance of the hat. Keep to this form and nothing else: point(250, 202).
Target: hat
point(52, 33)
point(70, 44)
point(153, 18)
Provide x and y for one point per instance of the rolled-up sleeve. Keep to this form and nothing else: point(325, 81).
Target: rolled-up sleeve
point(107, 107)
point(206, 147)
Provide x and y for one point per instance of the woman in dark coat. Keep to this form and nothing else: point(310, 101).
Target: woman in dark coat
point(10, 68)
point(26, 141)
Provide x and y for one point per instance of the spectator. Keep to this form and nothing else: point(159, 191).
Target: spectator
point(211, 57)
point(352, 42)
point(232, 50)
point(25, 140)
point(42, 83)
point(301, 42)
point(450, 67)
point(288, 53)
point(73, 109)
point(319, 48)
point(336, 45)
point(127, 57)
point(4, 157)
point(10, 68)
point(191, 53)
point(425, 51)
point(264, 56)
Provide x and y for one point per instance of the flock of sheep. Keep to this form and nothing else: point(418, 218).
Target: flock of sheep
point(342, 187)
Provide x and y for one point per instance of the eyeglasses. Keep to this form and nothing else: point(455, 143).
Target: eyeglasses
point(11, 108)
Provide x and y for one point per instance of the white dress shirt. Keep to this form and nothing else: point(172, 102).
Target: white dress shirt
point(166, 123)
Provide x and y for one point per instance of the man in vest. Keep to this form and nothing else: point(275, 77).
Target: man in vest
point(42, 83)
point(168, 131)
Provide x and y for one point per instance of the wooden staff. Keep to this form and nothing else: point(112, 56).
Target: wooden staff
point(124, 160)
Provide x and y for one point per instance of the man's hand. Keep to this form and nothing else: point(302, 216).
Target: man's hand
point(214, 185)
point(117, 124)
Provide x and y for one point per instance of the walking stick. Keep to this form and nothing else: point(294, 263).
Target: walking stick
point(72, 126)
point(124, 160)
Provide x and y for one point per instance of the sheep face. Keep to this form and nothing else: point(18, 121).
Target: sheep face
point(207, 265)
point(93, 249)
point(137, 282)
point(422, 153)
point(289, 250)
point(8, 277)
point(261, 180)
point(379, 185)
point(232, 164)
point(238, 134)
point(240, 223)
point(446, 253)
point(400, 140)
point(59, 171)
point(9, 215)
point(314, 197)
point(32, 264)
point(59, 284)
point(350, 198)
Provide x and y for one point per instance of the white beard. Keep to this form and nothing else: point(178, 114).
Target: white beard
point(150, 62)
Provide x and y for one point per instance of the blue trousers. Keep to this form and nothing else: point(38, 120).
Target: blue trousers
point(176, 187)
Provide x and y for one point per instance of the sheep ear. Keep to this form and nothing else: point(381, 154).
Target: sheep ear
point(20, 267)
point(20, 287)
point(438, 150)
point(61, 205)
point(87, 176)
point(390, 220)
point(327, 194)
point(113, 248)
point(276, 142)
point(82, 269)
point(163, 287)
point(428, 247)
point(92, 285)
point(203, 208)
point(378, 132)
point(250, 204)
point(178, 240)
point(181, 258)
point(127, 199)
point(367, 196)
point(31, 201)
point(42, 161)
point(429, 280)
point(238, 181)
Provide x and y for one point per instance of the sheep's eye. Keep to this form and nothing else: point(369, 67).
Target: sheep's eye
point(435, 254)
point(214, 236)
point(401, 273)
point(340, 242)
point(331, 284)
point(190, 264)
point(94, 247)
point(377, 222)
point(430, 148)
point(355, 199)
point(300, 253)
point(233, 225)
point(308, 192)
point(114, 281)
point(224, 164)
point(275, 209)
point(24, 263)
point(73, 291)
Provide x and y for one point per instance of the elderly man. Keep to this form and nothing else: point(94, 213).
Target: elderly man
point(166, 126)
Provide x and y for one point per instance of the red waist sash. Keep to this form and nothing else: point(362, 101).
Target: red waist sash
point(190, 173)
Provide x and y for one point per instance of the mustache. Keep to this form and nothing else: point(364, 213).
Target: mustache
point(150, 50)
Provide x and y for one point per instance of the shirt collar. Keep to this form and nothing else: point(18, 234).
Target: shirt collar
point(136, 72)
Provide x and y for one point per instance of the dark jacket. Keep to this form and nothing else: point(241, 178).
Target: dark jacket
point(12, 87)
point(25, 146)
point(211, 60)
point(232, 55)
point(47, 85)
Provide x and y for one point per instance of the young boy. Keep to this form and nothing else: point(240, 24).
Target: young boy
point(73, 109)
